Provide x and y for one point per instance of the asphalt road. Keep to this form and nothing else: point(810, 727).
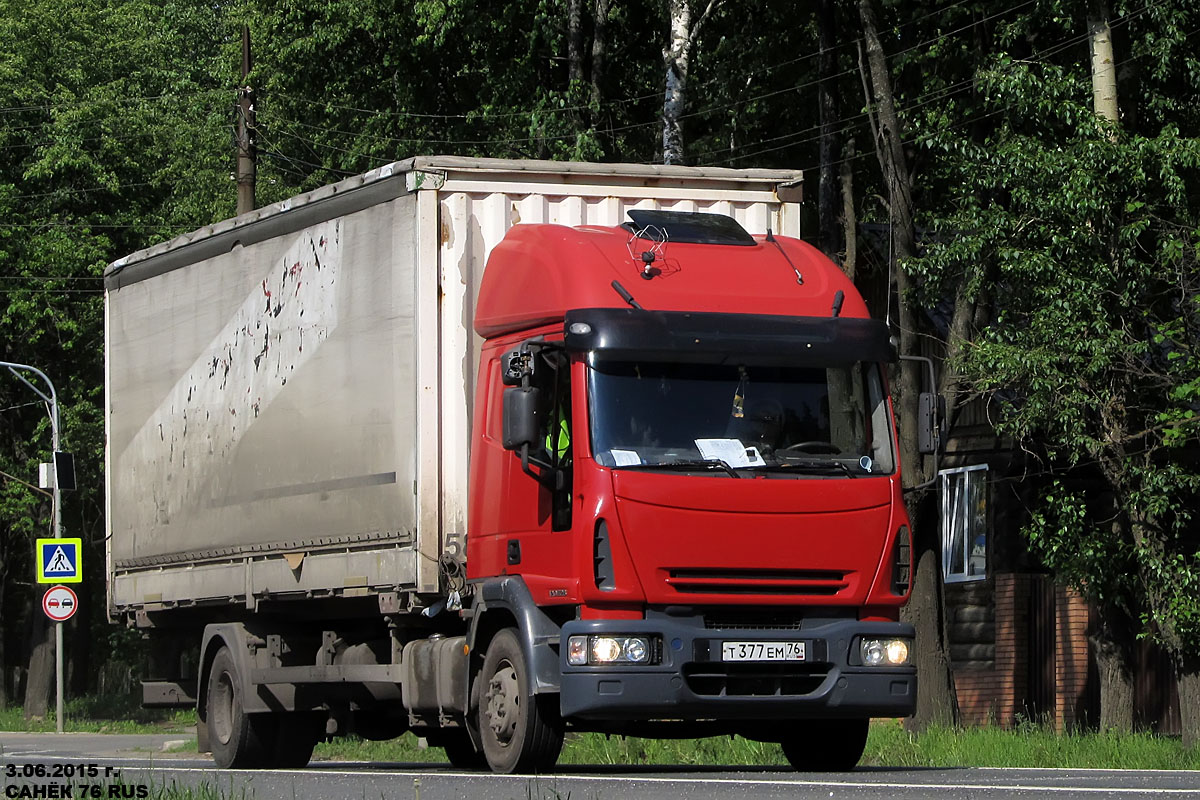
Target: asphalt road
point(141, 761)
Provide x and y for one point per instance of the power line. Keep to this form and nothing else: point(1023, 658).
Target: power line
point(620, 101)
point(936, 95)
point(108, 101)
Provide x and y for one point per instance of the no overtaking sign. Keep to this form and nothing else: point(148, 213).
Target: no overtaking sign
point(60, 603)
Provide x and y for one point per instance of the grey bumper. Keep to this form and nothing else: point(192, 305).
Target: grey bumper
point(691, 682)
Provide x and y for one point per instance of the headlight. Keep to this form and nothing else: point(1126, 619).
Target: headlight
point(883, 652)
point(583, 650)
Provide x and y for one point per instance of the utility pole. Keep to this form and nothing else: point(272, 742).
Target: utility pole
point(246, 169)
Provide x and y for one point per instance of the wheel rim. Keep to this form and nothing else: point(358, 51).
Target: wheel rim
point(220, 721)
point(503, 703)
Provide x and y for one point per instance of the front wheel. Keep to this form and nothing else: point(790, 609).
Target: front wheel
point(831, 745)
point(520, 731)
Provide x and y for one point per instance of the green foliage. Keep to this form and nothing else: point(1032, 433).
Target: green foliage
point(1082, 238)
point(113, 125)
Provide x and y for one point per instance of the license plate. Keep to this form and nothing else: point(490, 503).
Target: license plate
point(762, 651)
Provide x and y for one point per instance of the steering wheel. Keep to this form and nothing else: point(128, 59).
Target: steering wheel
point(815, 447)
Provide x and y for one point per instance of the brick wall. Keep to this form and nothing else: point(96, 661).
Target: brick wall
point(996, 695)
point(1035, 622)
point(1071, 660)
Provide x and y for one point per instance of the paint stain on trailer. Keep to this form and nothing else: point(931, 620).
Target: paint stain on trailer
point(277, 329)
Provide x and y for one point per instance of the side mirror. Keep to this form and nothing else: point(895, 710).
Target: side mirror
point(931, 412)
point(522, 412)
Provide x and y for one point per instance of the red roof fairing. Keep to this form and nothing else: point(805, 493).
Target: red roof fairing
point(539, 272)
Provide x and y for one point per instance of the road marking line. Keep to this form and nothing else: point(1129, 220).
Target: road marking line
point(713, 781)
point(779, 783)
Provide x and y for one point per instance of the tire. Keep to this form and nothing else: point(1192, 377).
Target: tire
point(460, 751)
point(520, 731)
point(238, 740)
point(831, 745)
point(295, 736)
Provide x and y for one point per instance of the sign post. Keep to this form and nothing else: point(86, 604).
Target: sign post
point(59, 561)
point(59, 603)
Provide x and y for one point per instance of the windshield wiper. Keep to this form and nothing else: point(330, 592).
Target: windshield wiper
point(812, 464)
point(701, 463)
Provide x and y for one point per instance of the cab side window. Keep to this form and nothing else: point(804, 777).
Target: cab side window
point(557, 442)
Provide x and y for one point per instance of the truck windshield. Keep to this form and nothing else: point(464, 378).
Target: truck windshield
point(807, 421)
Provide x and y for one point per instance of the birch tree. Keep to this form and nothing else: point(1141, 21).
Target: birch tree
point(684, 28)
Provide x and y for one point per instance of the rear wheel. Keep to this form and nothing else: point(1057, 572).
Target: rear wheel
point(295, 736)
point(521, 731)
point(238, 740)
point(460, 750)
point(832, 745)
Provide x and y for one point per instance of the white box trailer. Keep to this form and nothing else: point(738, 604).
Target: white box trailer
point(288, 393)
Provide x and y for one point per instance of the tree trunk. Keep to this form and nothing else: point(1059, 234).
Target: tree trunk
point(957, 338)
point(1111, 646)
point(936, 702)
point(676, 54)
point(575, 40)
point(827, 190)
point(599, 49)
point(892, 162)
point(1104, 70)
point(5, 672)
point(1188, 679)
point(39, 680)
point(849, 217)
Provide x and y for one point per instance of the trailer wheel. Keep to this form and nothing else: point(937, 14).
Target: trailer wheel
point(295, 736)
point(237, 738)
point(831, 745)
point(520, 731)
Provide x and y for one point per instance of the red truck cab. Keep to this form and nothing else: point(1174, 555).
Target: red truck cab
point(685, 490)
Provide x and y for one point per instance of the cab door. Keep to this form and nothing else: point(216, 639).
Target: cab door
point(520, 512)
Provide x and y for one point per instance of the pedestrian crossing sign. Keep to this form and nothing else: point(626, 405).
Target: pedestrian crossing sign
point(59, 560)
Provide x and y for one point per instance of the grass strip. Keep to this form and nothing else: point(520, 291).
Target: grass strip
point(103, 715)
point(888, 745)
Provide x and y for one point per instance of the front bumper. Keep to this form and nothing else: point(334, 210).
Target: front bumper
point(691, 682)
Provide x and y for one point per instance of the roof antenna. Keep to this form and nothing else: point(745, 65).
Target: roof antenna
point(838, 298)
point(774, 241)
point(658, 238)
point(626, 296)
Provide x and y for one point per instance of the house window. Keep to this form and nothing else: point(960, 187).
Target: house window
point(964, 523)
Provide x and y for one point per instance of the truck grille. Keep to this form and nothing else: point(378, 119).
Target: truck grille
point(818, 582)
point(752, 620)
point(754, 680)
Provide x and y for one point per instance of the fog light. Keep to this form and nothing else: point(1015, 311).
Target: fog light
point(872, 652)
point(577, 651)
point(897, 651)
point(636, 650)
point(605, 649)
